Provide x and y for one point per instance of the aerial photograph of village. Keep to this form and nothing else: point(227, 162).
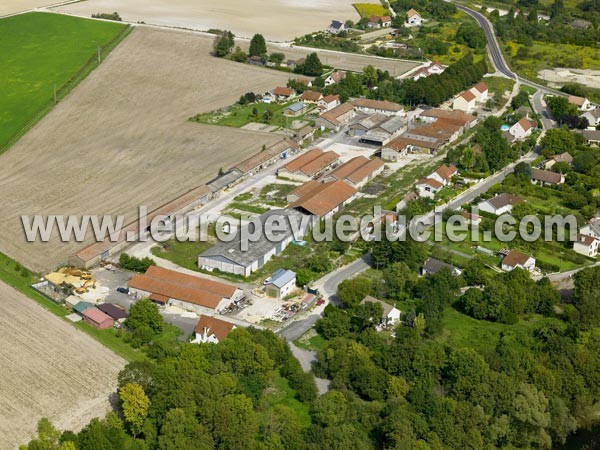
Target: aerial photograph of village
point(299, 224)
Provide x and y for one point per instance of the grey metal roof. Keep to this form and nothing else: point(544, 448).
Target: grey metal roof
point(232, 250)
point(393, 124)
point(281, 277)
point(433, 265)
point(82, 306)
point(222, 181)
point(299, 106)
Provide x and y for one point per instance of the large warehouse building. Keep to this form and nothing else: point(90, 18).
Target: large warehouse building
point(232, 258)
point(192, 293)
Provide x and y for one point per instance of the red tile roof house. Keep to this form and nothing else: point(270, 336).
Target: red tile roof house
point(311, 97)
point(335, 77)
point(284, 93)
point(97, 318)
point(563, 157)
point(522, 128)
point(379, 22)
point(586, 245)
point(480, 91)
point(465, 101)
point(211, 330)
point(516, 259)
point(329, 102)
point(428, 187)
point(311, 164)
point(189, 292)
point(444, 174)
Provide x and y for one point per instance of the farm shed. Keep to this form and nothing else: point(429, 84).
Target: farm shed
point(97, 318)
point(113, 311)
point(80, 307)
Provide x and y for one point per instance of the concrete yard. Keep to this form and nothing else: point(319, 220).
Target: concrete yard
point(122, 138)
point(49, 369)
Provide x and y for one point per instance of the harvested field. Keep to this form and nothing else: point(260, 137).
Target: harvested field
point(49, 369)
point(279, 20)
point(8, 7)
point(122, 138)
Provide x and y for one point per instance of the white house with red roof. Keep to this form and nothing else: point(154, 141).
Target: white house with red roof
point(480, 91)
point(335, 77)
point(413, 18)
point(515, 259)
point(466, 101)
point(586, 245)
point(329, 102)
point(444, 174)
point(211, 330)
point(428, 187)
point(522, 129)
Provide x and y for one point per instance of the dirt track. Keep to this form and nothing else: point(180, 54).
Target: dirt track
point(49, 369)
point(279, 20)
point(122, 138)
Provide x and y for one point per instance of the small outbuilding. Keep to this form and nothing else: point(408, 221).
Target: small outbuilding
point(281, 284)
point(97, 318)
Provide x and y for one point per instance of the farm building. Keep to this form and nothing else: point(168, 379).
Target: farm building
point(266, 158)
point(281, 284)
point(313, 163)
point(295, 109)
point(368, 123)
point(80, 307)
point(384, 132)
point(211, 330)
point(356, 172)
point(233, 257)
point(189, 292)
point(336, 117)
point(305, 134)
point(112, 310)
point(322, 200)
point(369, 106)
point(460, 118)
point(97, 318)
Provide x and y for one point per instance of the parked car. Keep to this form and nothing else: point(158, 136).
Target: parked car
point(123, 290)
point(320, 302)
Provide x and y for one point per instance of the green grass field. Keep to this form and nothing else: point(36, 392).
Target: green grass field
point(366, 10)
point(39, 50)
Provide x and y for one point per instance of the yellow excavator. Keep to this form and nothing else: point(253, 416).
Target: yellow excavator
point(84, 288)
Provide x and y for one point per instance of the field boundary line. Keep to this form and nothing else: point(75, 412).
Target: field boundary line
point(69, 85)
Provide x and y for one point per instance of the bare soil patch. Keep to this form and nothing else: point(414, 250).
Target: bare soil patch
point(279, 20)
point(122, 138)
point(8, 7)
point(560, 76)
point(49, 369)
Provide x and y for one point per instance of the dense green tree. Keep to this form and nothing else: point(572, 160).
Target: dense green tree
point(258, 46)
point(223, 44)
point(557, 141)
point(352, 291)
point(144, 313)
point(135, 405)
point(471, 35)
point(235, 422)
point(312, 65)
point(586, 295)
point(181, 431)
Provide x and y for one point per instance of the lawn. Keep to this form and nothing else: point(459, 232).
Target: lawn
point(239, 115)
point(499, 85)
point(184, 254)
point(366, 10)
point(39, 51)
point(281, 393)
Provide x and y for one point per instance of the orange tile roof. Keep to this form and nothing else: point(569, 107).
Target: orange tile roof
point(306, 188)
point(411, 12)
point(311, 96)
point(455, 115)
point(325, 198)
point(218, 327)
point(446, 172)
point(575, 100)
point(215, 287)
point(515, 258)
point(318, 164)
point(365, 170)
point(431, 182)
point(525, 123)
point(333, 114)
point(303, 159)
point(343, 170)
point(283, 91)
point(377, 104)
point(468, 96)
point(481, 87)
point(331, 98)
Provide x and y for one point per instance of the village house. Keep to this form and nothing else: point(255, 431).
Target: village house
point(322, 200)
point(432, 266)
point(335, 77)
point(192, 293)
point(283, 94)
point(356, 172)
point(368, 106)
point(480, 91)
point(546, 178)
point(522, 129)
point(591, 137)
point(586, 245)
point(465, 101)
point(377, 22)
point(593, 118)
point(234, 257)
point(432, 68)
point(499, 204)
point(592, 228)
point(281, 283)
point(514, 259)
point(329, 102)
point(444, 174)
point(583, 104)
point(295, 109)
point(563, 157)
point(428, 188)
point(311, 164)
point(337, 117)
point(210, 330)
point(390, 315)
point(311, 97)
point(413, 18)
point(336, 27)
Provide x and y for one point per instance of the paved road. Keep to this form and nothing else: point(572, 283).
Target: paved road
point(496, 54)
point(539, 105)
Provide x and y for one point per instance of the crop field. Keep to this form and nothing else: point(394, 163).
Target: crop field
point(14, 6)
point(278, 20)
point(38, 51)
point(123, 138)
point(49, 369)
point(366, 10)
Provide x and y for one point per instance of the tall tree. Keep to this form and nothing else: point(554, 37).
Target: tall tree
point(258, 46)
point(312, 65)
point(135, 405)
